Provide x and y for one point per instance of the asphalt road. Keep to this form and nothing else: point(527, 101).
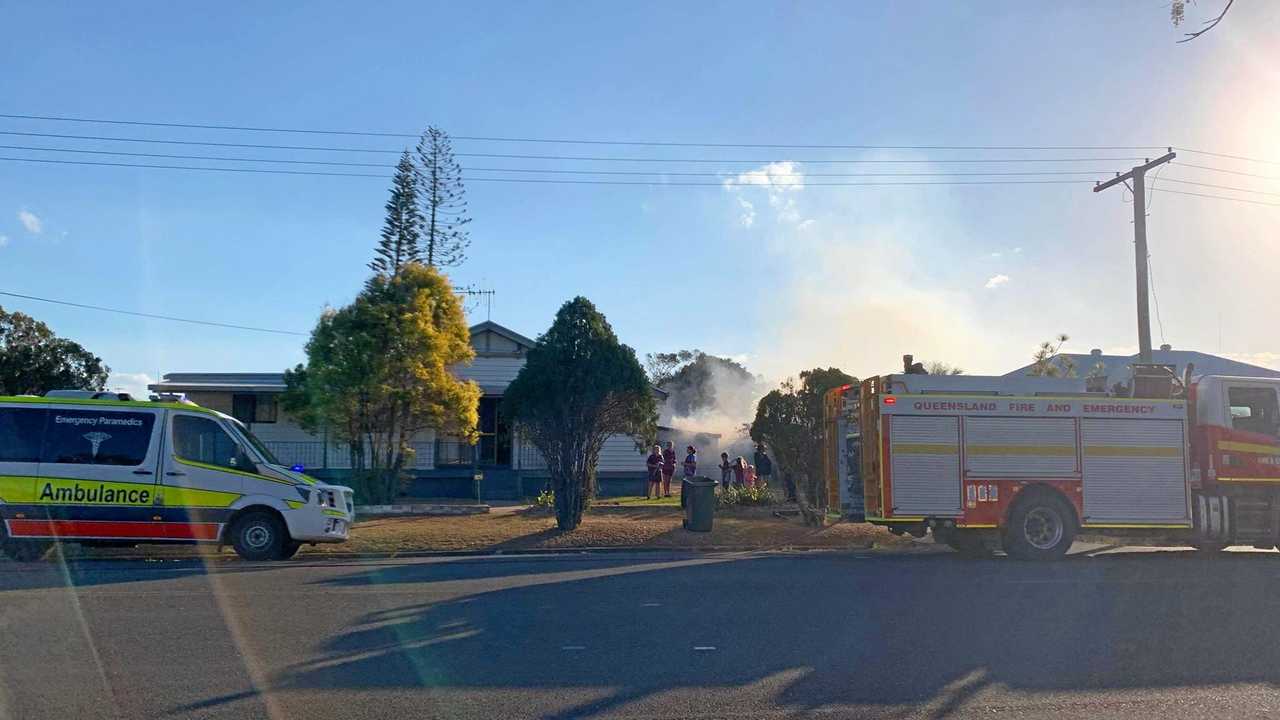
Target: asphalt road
point(1146, 635)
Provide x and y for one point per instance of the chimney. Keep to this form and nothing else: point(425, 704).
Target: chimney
point(1166, 347)
point(1096, 352)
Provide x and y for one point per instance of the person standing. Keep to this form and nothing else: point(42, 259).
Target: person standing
point(690, 462)
point(751, 476)
point(726, 471)
point(668, 467)
point(764, 464)
point(739, 471)
point(654, 465)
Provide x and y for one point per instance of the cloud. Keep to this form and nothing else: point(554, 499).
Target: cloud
point(748, 217)
point(4, 240)
point(1017, 251)
point(996, 281)
point(996, 255)
point(31, 222)
point(784, 175)
point(781, 180)
point(133, 383)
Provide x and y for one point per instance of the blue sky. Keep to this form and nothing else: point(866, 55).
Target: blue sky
point(768, 268)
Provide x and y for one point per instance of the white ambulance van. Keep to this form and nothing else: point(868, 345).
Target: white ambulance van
point(77, 466)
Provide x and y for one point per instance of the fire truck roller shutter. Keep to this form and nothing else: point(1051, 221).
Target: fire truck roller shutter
point(925, 465)
point(1134, 471)
point(1023, 447)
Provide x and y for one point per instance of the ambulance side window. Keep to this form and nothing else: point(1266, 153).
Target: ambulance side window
point(96, 437)
point(203, 440)
point(1254, 409)
point(20, 433)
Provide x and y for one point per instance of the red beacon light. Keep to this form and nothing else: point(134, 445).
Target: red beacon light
point(890, 400)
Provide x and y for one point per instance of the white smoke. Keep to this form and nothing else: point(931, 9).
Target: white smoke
point(735, 405)
point(846, 289)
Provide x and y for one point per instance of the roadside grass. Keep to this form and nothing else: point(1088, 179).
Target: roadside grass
point(634, 524)
point(639, 500)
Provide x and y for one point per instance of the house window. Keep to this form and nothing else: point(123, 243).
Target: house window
point(1254, 410)
point(250, 408)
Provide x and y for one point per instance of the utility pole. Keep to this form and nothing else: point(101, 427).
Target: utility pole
point(1138, 175)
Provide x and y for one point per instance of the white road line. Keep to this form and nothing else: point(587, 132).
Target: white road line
point(650, 604)
point(703, 648)
point(573, 647)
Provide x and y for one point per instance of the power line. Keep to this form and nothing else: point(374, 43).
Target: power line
point(256, 171)
point(260, 146)
point(1224, 170)
point(1222, 187)
point(1155, 298)
point(570, 141)
point(270, 171)
point(1228, 156)
point(683, 173)
point(119, 153)
point(268, 146)
point(1215, 197)
point(151, 315)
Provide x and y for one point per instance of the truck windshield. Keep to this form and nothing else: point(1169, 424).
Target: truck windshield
point(261, 447)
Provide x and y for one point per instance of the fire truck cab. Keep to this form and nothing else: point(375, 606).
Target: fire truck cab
point(1026, 464)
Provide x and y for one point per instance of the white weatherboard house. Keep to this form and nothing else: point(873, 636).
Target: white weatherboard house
point(442, 465)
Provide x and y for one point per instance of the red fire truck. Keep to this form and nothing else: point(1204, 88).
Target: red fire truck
point(1026, 464)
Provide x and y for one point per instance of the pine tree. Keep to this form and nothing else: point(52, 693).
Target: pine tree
point(443, 197)
point(402, 232)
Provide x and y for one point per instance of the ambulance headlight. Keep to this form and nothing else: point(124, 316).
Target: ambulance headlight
point(303, 492)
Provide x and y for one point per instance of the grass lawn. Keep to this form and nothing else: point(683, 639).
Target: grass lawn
point(622, 525)
point(639, 501)
point(614, 523)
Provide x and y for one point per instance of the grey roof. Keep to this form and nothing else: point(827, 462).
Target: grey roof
point(242, 382)
point(508, 333)
point(274, 382)
point(1117, 366)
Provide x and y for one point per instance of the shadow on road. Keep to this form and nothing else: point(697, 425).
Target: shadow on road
point(56, 573)
point(925, 630)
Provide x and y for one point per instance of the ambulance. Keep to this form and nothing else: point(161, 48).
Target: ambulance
point(1027, 464)
point(104, 469)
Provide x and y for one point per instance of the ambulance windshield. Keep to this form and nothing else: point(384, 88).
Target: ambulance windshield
point(253, 440)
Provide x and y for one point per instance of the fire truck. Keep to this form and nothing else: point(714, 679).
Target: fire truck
point(1027, 464)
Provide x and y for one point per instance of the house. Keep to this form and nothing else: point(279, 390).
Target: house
point(1116, 367)
point(442, 466)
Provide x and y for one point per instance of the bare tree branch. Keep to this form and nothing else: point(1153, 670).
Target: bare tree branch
point(1209, 23)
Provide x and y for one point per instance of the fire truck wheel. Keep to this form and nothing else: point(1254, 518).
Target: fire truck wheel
point(1209, 548)
point(969, 544)
point(1041, 527)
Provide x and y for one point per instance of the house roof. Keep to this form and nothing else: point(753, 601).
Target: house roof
point(508, 333)
point(1116, 367)
point(236, 382)
point(274, 382)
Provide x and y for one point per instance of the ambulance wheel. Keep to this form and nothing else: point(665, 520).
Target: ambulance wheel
point(259, 535)
point(24, 550)
point(1041, 527)
point(289, 550)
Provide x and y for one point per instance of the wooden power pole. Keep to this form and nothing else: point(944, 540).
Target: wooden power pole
point(1138, 175)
